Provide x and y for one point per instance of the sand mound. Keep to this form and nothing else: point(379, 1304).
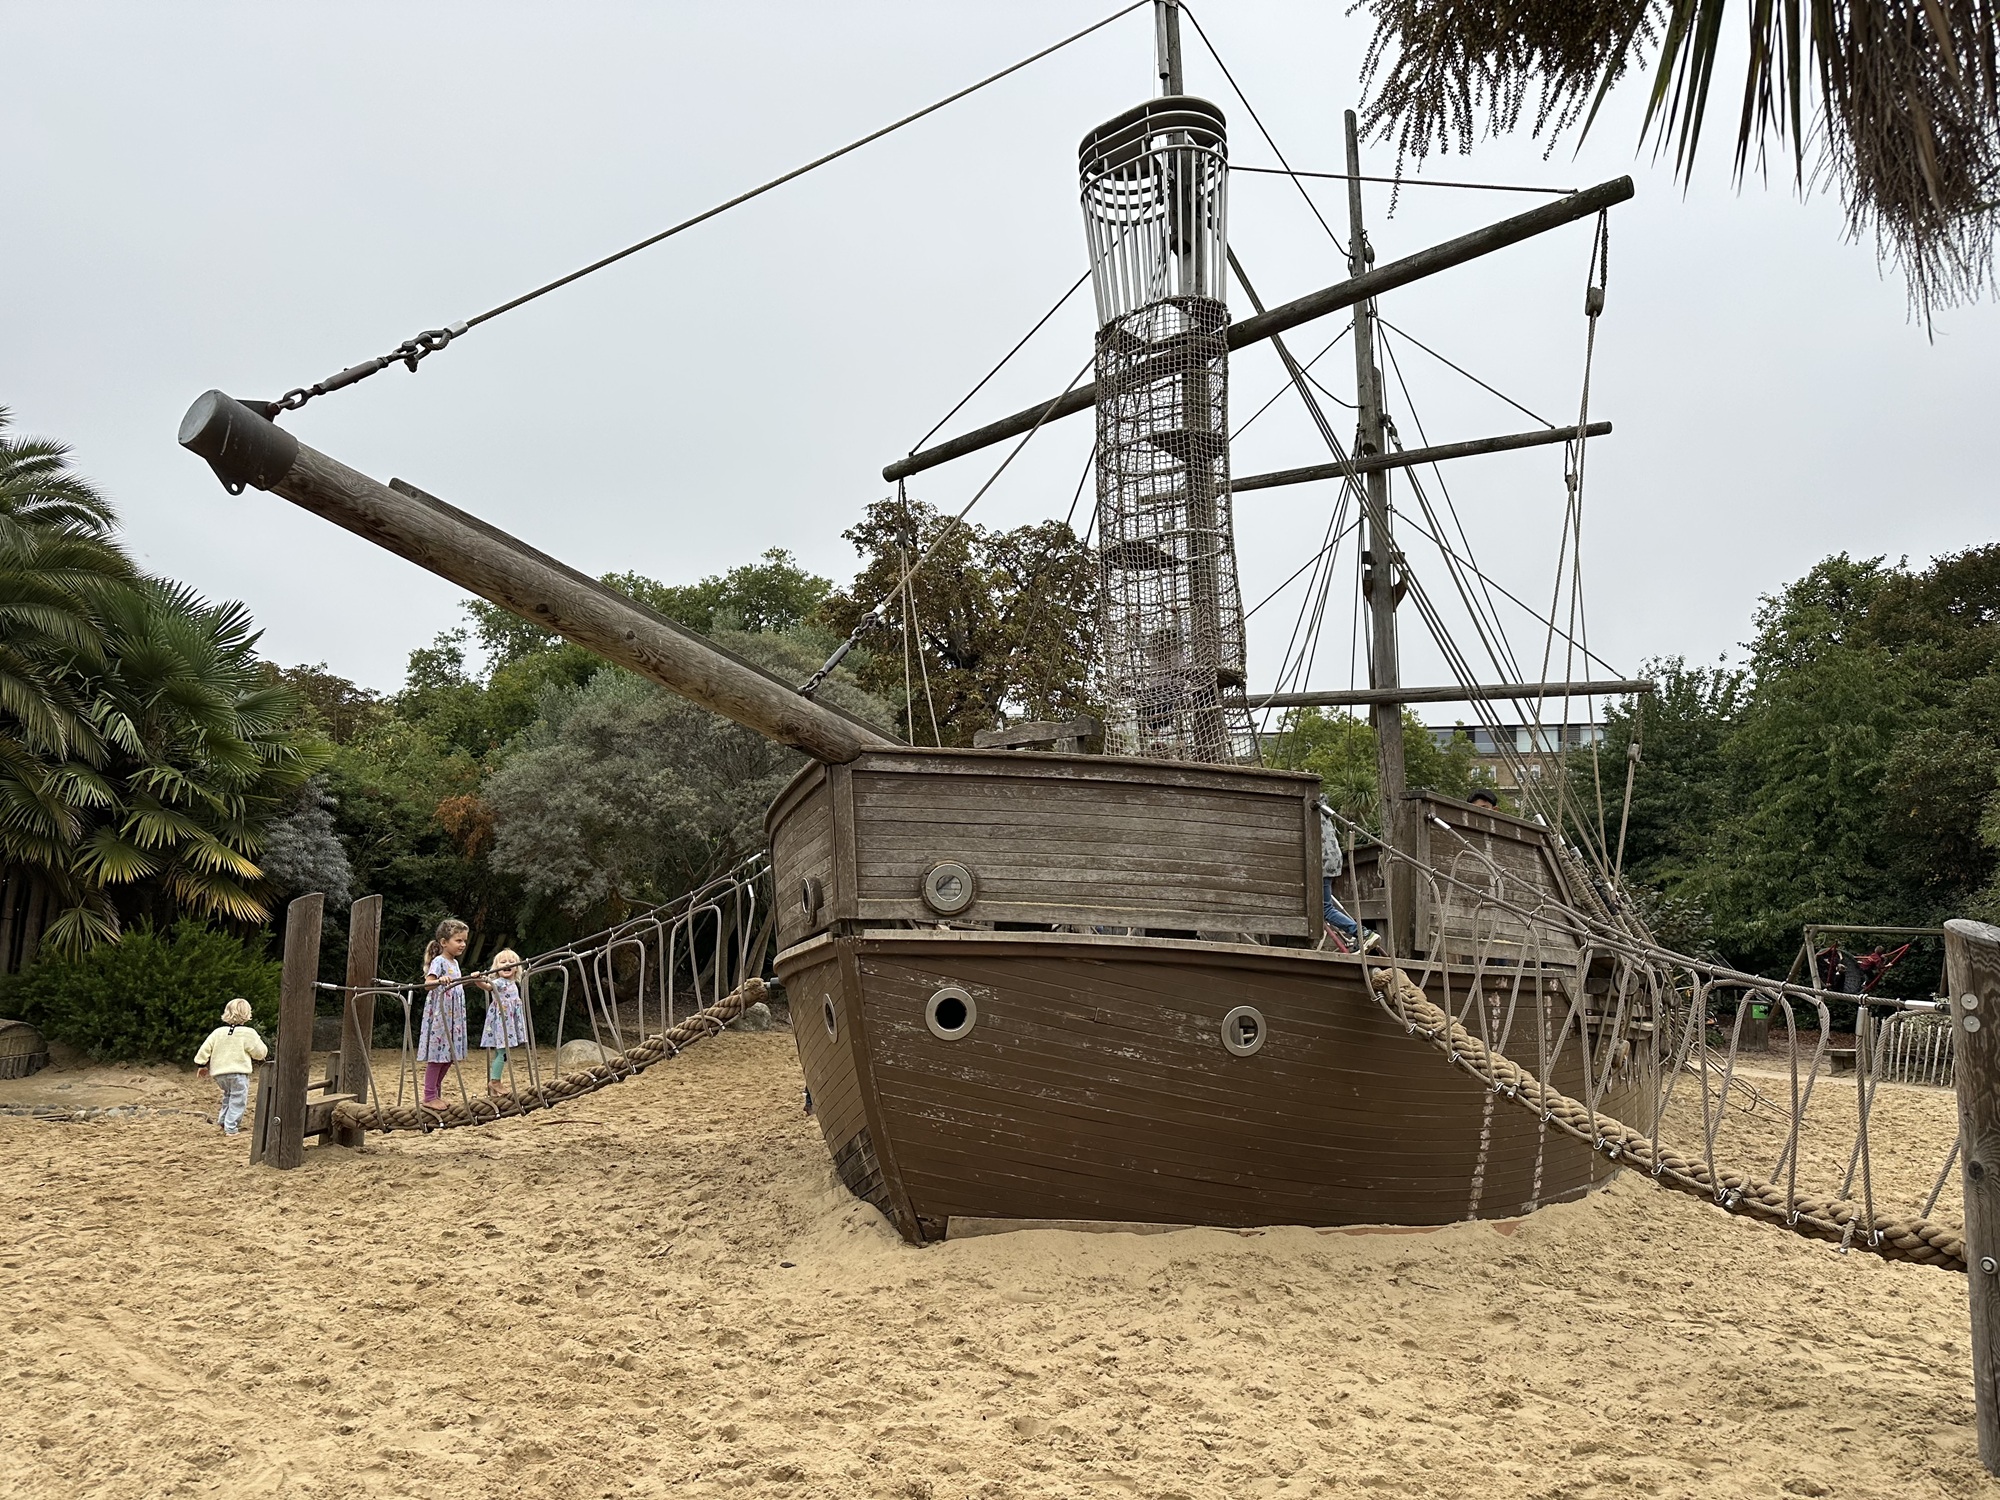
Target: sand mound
point(597, 1302)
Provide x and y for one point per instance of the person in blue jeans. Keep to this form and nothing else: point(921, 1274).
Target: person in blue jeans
point(227, 1057)
point(1330, 864)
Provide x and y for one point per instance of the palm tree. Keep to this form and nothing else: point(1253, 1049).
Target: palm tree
point(143, 747)
point(201, 754)
point(1897, 102)
point(38, 491)
point(58, 570)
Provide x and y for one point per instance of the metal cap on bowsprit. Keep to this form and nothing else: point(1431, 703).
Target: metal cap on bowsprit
point(243, 446)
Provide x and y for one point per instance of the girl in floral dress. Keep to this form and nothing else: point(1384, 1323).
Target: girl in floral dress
point(506, 1018)
point(441, 1042)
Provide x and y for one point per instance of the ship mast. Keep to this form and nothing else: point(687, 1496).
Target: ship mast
point(1381, 580)
point(1167, 46)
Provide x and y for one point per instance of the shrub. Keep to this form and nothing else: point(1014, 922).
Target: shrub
point(149, 995)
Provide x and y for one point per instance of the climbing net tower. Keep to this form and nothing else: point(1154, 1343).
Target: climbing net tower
point(1170, 624)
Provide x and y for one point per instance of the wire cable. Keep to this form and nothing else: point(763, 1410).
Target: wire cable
point(1257, 120)
point(1490, 187)
point(1060, 301)
point(412, 351)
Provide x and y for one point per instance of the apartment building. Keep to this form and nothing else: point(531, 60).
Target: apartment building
point(1507, 749)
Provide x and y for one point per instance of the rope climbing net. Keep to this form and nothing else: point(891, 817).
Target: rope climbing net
point(1170, 611)
point(637, 993)
point(1565, 1008)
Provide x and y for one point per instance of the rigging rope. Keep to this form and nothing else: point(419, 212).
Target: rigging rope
point(413, 350)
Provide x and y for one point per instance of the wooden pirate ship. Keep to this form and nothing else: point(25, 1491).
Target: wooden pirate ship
point(1064, 986)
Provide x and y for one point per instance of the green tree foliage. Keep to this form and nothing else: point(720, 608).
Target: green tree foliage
point(1849, 774)
point(424, 783)
point(994, 624)
point(151, 995)
point(1341, 748)
point(143, 748)
point(623, 795)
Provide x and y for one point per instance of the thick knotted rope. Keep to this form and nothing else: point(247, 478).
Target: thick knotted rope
point(614, 1069)
point(1912, 1239)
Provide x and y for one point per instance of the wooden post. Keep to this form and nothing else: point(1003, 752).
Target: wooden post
point(1972, 968)
point(357, 1025)
point(285, 1137)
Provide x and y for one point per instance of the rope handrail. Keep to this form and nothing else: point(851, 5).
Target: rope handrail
point(616, 1068)
point(1909, 1237)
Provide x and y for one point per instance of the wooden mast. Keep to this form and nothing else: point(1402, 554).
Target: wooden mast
point(1381, 577)
point(1167, 46)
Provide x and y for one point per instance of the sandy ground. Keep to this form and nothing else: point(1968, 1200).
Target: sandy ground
point(663, 1288)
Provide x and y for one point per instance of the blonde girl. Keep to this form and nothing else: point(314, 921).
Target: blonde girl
point(506, 1018)
point(441, 1042)
point(227, 1057)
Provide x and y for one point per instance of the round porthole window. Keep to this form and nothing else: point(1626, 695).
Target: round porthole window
point(948, 888)
point(951, 1013)
point(809, 897)
point(832, 1019)
point(1243, 1030)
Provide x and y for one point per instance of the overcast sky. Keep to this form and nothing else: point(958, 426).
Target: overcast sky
point(254, 196)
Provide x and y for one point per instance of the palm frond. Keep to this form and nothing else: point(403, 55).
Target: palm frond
point(1904, 123)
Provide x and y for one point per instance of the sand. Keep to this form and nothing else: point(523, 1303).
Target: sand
point(662, 1288)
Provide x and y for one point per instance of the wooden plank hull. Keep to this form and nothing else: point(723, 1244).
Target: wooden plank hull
point(1094, 1084)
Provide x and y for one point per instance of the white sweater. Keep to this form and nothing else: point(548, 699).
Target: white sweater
point(229, 1050)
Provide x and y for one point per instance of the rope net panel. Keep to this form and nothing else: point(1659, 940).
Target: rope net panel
point(1170, 623)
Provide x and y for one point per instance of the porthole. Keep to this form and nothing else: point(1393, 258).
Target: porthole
point(951, 1013)
point(809, 897)
point(1243, 1030)
point(832, 1019)
point(948, 888)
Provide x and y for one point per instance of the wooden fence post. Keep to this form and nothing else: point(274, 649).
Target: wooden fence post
point(285, 1138)
point(1972, 969)
point(357, 1026)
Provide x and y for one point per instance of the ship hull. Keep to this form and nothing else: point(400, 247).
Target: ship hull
point(1095, 1084)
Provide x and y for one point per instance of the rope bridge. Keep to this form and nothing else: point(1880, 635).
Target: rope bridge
point(628, 983)
point(1911, 1238)
point(1505, 958)
point(472, 1110)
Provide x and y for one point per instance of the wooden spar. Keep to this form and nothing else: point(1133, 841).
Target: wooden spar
point(244, 448)
point(1357, 288)
point(1518, 692)
point(1410, 458)
point(1972, 971)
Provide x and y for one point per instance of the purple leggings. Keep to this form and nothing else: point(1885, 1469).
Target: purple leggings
point(434, 1079)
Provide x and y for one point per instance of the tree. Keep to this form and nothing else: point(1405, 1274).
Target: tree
point(1895, 101)
point(142, 745)
point(1849, 773)
point(623, 795)
point(992, 624)
point(201, 758)
point(1341, 748)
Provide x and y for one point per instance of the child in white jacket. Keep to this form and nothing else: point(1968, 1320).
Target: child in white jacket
point(226, 1057)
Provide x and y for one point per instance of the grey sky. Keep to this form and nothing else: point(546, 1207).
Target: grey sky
point(254, 196)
